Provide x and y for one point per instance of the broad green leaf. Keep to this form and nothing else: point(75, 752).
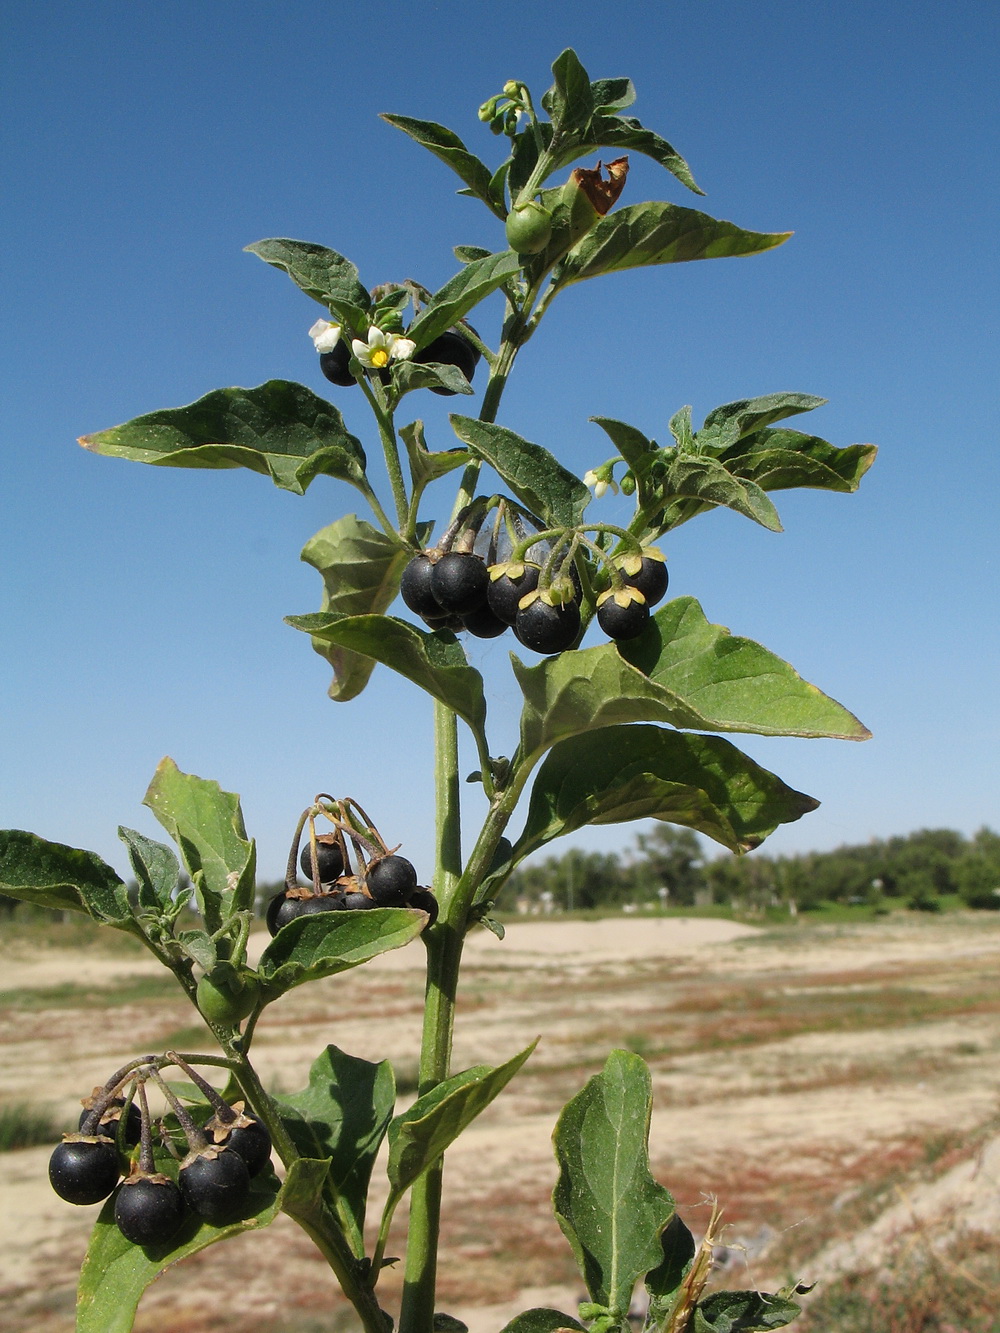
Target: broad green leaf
point(207, 824)
point(626, 133)
point(732, 421)
point(461, 293)
point(426, 466)
point(657, 233)
point(115, 1272)
point(419, 1136)
point(687, 477)
point(199, 946)
point(323, 274)
point(412, 375)
point(570, 101)
point(435, 662)
point(50, 874)
point(734, 683)
point(610, 1208)
point(279, 429)
point(639, 453)
point(157, 870)
point(465, 254)
point(778, 460)
point(612, 94)
point(343, 1116)
point(541, 1320)
point(326, 943)
point(538, 480)
point(681, 670)
point(361, 569)
point(617, 774)
point(663, 1281)
point(743, 1312)
point(447, 146)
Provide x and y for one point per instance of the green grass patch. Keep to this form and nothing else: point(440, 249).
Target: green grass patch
point(24, 1125)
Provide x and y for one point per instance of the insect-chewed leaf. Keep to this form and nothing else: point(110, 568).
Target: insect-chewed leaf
point(50, 874)
point(538, 479)
point(321, 945)
point(610, 1208)
point(323, 274)
point(280, 429)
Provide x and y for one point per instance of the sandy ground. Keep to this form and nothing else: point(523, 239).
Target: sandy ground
point(795, 1073)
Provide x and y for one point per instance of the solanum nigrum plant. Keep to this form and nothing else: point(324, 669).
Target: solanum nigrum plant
point(621, 719)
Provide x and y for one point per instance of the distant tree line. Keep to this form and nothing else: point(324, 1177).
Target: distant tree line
point(668, 866)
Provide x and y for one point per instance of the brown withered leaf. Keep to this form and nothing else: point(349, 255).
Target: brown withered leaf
point(602, 193)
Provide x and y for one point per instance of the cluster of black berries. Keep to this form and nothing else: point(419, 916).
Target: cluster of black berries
point(451, 348)
point(382, 880)
point(457, 590)
point(213, 1178)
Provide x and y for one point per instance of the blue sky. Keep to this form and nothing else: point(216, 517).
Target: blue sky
point(144, 146)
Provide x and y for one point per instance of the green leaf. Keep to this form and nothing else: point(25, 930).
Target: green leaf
point(447, 146)
point(538, 480)
point(461, 293)
point(323, 274)
point(657, 233)
point(50, 874)
point(610, 1208)
point(361, 569)
point(115, 1272)
point(279, 429)
point(732, 421)
point(734, 683)
point(410, 375)
point(419, 1136)
point(687, 477)
point(611, 95)
point(743, 1312)
point(326, 943)
point(207, 825)
point(778, 460)
point(435, 662)
point(541, 1320)
point(426, 466)
point(663, 1282)
point(343, 1116)
point(617, 774)
point(465, 254)
point(626, 133)
point(570, 101)
point(639, 453)
point(157, 870)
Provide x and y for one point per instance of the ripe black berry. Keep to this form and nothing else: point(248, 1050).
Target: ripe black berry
point(84, 1170)
point(452, 348)
point(484, 623)
point(459, 582)
point(334, 364)
point(149, 1209)
point(391, 880)
point(651, 580)
point(252, 1142)
point(506, 590)
point(215, 1184)
point(110, 1118)
point(547, 629)
point(415, 587)
point(282, 908)
point(454, 623)
point(620, 616)
point(358, 901)
point(425, 900)
point(329, 856)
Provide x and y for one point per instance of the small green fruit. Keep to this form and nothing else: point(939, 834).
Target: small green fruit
point(529, 228)
point(225, 1003)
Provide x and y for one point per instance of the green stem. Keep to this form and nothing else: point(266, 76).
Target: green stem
point(387, 435)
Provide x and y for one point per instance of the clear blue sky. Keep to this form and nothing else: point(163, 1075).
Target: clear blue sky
point(145, 145)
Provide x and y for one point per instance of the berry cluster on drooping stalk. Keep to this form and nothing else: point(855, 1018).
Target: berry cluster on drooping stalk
point(538, 582)
point(350, 868)
point(209, 1165)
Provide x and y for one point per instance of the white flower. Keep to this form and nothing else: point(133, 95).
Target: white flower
point(325, 335)
point(381, 348)
point(599, 484)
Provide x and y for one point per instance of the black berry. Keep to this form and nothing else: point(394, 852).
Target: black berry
point(215, 1184)
point(622, 621)
point(459, 582)
point(484, 623)
point(547, 629)
point(111, 1117)
point(450, 349)
point(334, 364)
point(358, 901)
point(149, 1209)
point(506, 591)
point(415, 587)
point(425, 900)
point(252, 1142)
point(283, 908)
point(651, 580)
point(454, 623)
point(329, 857)
point(392, 881)
point(84, 1171)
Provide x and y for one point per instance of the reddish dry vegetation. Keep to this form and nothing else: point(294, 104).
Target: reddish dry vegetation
point(809, 1079)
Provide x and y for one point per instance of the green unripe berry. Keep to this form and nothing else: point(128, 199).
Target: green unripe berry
point(529, 228)
point(226, 1003)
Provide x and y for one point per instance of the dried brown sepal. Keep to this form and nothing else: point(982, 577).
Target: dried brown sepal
point(603, 194)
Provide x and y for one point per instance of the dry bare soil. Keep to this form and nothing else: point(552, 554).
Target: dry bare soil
point(835, 1087)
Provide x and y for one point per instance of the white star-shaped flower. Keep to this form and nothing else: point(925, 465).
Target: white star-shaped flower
point(325, 335)
point(381, 348)
point(600, 485)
